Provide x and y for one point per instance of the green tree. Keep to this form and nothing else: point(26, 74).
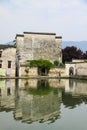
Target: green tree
point(70, 53)
point(41, 64)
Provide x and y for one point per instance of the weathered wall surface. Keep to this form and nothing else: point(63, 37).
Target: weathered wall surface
point(81, 69)
point(39, 46)
point(32, 71)
point(20, 46)
point(8, 54)
point(57, 72)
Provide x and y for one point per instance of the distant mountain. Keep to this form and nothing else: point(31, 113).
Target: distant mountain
point(82, 45)
point(10, 43)
point(79, 44)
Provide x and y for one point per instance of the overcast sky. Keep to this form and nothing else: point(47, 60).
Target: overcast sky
point(67, 18)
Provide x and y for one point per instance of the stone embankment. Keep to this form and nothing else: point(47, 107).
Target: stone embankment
point(47, 77)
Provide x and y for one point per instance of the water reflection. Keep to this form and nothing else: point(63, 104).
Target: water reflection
point(7, 95)
point(75, 93)
point(39, 103)
point(40, 100)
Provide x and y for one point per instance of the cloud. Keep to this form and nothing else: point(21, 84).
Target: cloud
point(65, 17)
point(50, 5)
point(46, 3)
point(41, 3)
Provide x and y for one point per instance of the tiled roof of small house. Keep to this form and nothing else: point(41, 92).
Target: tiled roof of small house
point(4, 46)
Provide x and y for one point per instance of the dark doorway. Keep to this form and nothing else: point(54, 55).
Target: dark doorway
point(71, 71)
point(43, 71)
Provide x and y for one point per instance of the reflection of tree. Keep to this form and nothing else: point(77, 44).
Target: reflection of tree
point(43, 88)
point(71, 101)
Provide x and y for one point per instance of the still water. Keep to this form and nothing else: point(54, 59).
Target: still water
point(43, 104)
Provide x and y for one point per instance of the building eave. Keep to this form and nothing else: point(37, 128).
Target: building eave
point(40, 33)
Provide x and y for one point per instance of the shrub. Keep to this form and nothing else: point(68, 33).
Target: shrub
point(27, 70)
point(41, 64)
point(56, 63)
point(61, 64)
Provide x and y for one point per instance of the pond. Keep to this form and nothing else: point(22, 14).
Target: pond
point(53, 104)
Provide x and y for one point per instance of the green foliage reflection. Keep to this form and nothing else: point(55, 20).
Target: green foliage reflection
point(43, 88)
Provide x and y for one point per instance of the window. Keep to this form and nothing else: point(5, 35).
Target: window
point(0, 53)
point(0, 63)
point(9, 64)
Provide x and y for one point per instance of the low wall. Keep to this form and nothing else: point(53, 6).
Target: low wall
point(57, 72)
point(7, 72)
point(79, 69)
point(28, 71)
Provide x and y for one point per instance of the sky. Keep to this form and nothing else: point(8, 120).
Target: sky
point(66, 18)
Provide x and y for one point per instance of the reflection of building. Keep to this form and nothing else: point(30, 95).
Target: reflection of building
point(69, 86)
point(28, 83)
point(76, 87)
point(30, 108)
point(33, 83)
point(7, 94)
point(75, 93)
point(57, 83)
point(40, 103)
